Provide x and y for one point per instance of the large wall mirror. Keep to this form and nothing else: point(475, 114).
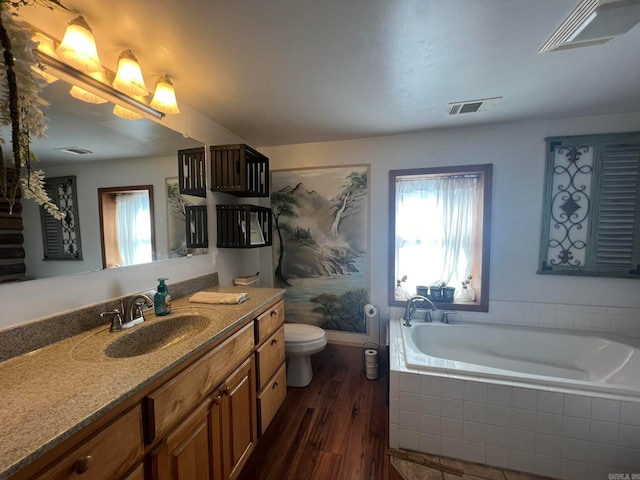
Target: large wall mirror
point(102, 151)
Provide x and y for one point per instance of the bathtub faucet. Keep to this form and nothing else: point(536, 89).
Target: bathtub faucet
point(414, 303)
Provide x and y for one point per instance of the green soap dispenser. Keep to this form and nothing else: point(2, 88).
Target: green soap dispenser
point(162, 299)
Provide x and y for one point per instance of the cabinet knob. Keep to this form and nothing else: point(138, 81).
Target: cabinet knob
point(275, 384)
point(274, 313)
point(81, 465)
point(217, 400)
point(274, 341)
point(225, 391)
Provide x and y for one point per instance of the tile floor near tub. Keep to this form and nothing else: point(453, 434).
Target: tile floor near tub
point(472, 471)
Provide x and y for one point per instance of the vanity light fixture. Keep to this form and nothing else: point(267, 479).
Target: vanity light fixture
point(91, 82)
point(124, 112)
point(84, 95)
point(164, 98)
point(45, 45)
point(86, 82)
point(78, 47)
point(129, 76)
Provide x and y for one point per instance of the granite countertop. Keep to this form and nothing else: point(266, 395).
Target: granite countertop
point(51, 393)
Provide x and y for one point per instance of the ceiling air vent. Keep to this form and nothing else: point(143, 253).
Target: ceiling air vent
point(74, 150)
point(472, 106)
point(594, 22)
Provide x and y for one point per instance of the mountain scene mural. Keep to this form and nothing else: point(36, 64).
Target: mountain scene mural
point(321, 245)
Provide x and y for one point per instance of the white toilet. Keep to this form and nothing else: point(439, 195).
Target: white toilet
point(300, 342)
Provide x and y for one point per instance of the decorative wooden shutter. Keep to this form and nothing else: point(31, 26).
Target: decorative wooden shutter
point(617, 223)
point(61, 238)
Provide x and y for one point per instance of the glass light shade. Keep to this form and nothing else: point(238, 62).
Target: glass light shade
point(45, 44)
point(78, 47)
point(84, 95)
point(42, 73)
point(124, 112)
point(129, 76)
point(164, 98)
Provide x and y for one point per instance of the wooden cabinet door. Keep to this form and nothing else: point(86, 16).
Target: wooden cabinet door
point(239, 418)
point(218, 431)
point(185, 454)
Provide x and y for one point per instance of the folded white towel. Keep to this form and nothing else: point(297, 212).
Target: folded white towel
point(218, 298)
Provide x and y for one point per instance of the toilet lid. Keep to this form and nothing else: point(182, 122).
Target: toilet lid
point(301, 332)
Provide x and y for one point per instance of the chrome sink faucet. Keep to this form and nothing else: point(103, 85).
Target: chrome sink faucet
point(414, 303)
point(134, 311)
point(129, 316)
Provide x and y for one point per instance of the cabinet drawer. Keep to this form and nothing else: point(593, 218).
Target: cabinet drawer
point(171, 401)
point(269, 322)
point(271, 397)
point(108, 455)
point(270, 355)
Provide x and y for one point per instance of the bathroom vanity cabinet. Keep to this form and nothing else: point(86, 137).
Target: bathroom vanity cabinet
point(270, 355)
point(221, 432)
point(199, 421)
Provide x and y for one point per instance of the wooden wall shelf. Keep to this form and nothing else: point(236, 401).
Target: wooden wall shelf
point(243, 226)
point(239, 170)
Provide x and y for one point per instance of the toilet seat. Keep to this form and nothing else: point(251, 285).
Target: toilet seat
point(302, 332)
point(303, 338)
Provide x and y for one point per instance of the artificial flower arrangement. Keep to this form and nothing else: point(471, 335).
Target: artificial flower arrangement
point(21, 108)
point(466, 293)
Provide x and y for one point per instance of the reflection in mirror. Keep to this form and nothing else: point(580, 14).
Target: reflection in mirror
point(100, 150)
point(127, 232)
point(439, 236)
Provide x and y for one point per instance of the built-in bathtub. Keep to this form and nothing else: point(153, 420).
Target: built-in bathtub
point(556, 403)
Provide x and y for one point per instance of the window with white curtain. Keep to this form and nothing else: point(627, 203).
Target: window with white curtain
point(132, 228)
point(439, 233)
point(127, 233)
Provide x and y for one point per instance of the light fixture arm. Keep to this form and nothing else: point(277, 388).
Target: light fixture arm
point(76, 77)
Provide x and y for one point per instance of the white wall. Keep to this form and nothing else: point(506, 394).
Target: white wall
point(32, 300)
point(517, 151)
point(89, 177)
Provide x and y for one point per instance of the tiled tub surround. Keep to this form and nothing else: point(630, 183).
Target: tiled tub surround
point(558, 432)
point(593, 318)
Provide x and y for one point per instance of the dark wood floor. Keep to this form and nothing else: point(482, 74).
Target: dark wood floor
point(334, 429)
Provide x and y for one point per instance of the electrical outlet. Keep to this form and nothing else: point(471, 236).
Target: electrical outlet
point(214, 259)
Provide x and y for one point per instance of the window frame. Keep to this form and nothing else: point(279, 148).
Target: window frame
point(599, 143)
point(485, 172)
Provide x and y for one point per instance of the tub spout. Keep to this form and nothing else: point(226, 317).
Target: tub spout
point(414, 303)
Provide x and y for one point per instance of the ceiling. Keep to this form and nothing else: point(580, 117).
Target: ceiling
point(294, 71)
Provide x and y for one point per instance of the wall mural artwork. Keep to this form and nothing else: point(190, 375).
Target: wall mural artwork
point(177, 220)
point(321, 244)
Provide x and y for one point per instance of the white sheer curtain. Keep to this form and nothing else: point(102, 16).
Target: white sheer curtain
point(133, 228)
point(434, 230)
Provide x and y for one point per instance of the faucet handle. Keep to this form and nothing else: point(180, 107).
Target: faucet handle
point(116, 320)
point(135, 308)
point(445, 317)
